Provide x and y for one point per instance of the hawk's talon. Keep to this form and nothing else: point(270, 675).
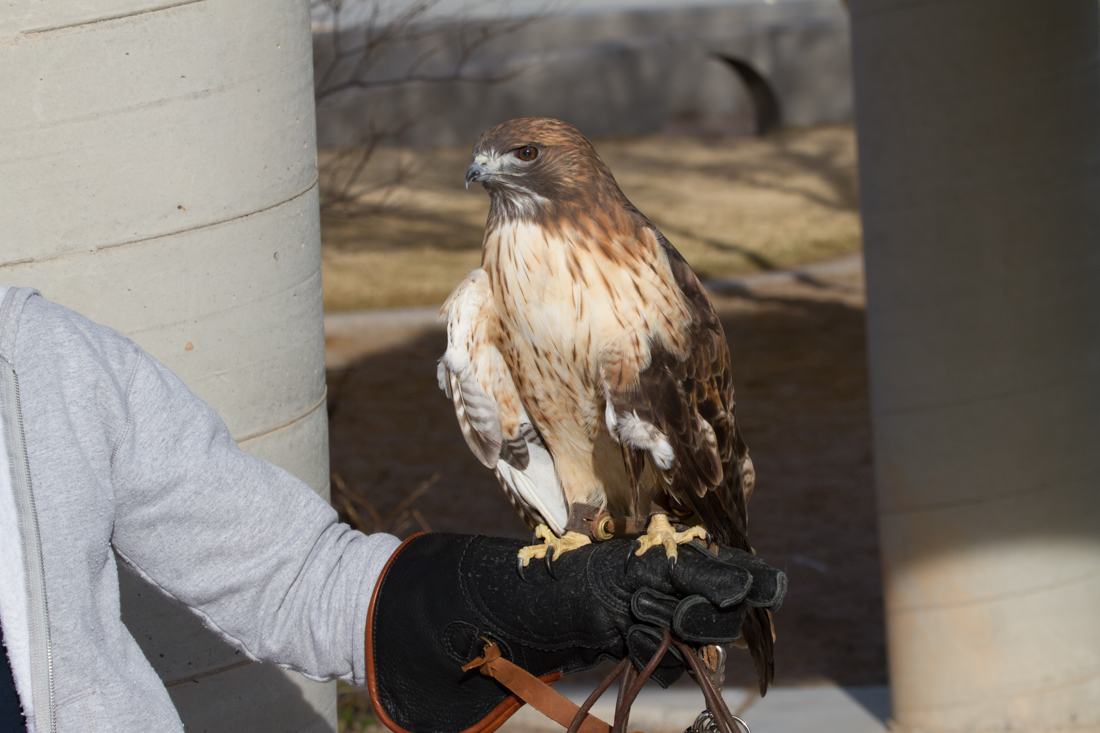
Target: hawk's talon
point(660, 533)
point(632, 553)
point(552, 547)
point(519, 568)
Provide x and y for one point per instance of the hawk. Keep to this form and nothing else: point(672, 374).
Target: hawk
point(586, 363)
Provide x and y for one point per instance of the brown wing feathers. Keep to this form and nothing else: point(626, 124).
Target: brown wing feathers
point(690, 399)
point(724, 508)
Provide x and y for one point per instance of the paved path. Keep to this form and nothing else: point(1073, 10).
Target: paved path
point(352, 334)
point(816, 274)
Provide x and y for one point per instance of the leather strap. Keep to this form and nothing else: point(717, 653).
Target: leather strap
point(598, 524)
point(533, 691)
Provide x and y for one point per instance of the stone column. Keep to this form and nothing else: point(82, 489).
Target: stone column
point(979, 144)
point(159, 175)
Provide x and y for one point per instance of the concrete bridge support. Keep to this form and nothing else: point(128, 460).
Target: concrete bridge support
point(159, 175)
point(979, 142)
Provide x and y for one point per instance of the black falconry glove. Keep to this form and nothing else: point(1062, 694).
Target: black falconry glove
point(442, 596)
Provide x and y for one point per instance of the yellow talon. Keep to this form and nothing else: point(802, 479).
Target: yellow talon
point(660, 532)
point(553, 544)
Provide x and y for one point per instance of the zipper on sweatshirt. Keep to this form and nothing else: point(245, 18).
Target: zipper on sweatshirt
point(38, 614)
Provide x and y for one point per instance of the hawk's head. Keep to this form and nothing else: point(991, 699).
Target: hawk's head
point(535, 166)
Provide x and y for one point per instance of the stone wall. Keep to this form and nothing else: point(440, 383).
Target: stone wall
point(609, 72)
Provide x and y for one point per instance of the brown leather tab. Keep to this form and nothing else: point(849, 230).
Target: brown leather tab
point(490, 653)
point(581, 516)
point(599, 525)
point(627, 526)
point(534, 691)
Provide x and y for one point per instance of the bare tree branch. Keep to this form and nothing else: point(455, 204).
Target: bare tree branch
point(387, 50)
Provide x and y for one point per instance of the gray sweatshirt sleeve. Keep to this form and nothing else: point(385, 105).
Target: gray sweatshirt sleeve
point(250, 548)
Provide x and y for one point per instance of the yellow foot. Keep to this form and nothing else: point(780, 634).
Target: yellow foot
point(660, 533)
point(552, 548)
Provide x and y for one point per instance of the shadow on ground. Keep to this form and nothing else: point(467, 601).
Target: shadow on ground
point(801, 377)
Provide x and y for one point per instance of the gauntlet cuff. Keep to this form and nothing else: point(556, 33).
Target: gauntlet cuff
point(417, 622)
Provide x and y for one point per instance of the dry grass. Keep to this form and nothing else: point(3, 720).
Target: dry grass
point(355, 713)
point(730, 206)
point(357, 511)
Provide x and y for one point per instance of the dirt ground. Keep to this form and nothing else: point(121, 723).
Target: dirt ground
point(801, 378)
point(730, 206)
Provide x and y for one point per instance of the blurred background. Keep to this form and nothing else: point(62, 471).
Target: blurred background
point(730, 125)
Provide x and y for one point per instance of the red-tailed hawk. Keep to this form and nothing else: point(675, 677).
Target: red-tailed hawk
point(586, 363)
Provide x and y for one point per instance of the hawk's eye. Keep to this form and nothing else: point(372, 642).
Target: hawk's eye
point(527, 153)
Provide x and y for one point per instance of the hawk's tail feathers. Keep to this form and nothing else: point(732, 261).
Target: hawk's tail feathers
point(760, 638)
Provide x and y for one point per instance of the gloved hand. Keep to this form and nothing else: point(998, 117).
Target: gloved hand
point(442, 595)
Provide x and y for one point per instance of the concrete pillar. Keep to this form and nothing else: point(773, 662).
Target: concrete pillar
point(159, 175)
point(979, 143)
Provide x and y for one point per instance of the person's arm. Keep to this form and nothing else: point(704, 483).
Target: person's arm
point(250, 548)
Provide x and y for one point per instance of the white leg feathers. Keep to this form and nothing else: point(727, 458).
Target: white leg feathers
point(629, 429)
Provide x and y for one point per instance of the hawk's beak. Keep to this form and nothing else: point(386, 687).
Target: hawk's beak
point(477, 171)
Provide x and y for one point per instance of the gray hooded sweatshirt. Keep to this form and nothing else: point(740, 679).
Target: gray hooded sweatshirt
point(110, 457)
